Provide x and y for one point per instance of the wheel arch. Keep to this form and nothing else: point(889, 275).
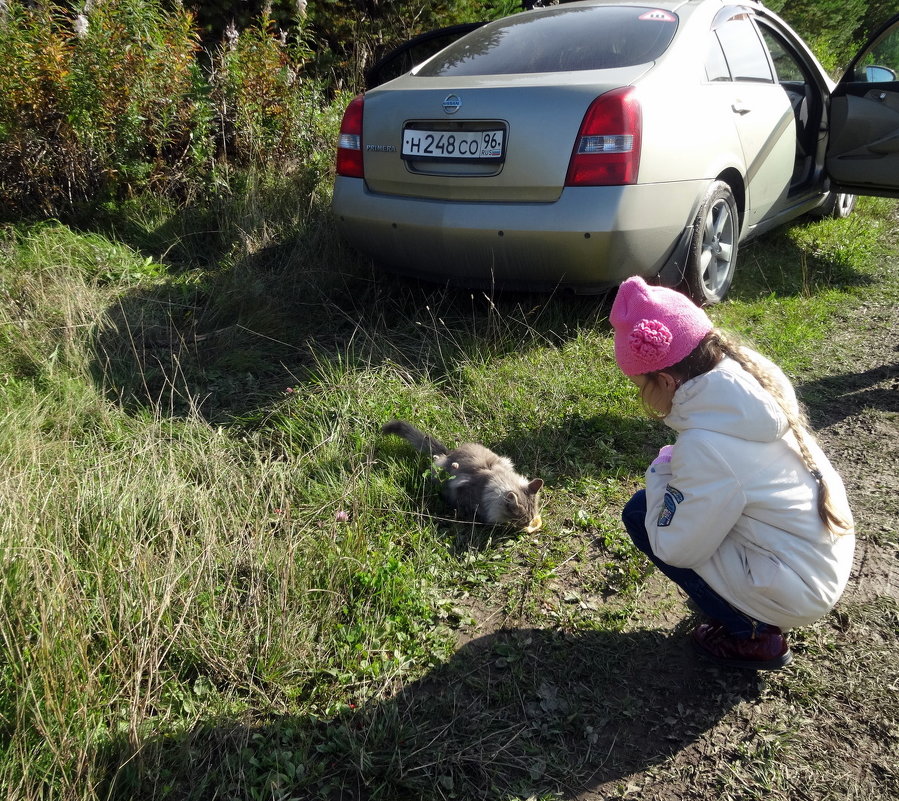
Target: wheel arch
point(712, 255)
point(672, 273)
point(734, 180)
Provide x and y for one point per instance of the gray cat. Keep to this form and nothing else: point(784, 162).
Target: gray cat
point(478, 483)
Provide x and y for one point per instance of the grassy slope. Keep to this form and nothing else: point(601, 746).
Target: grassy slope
point(185, 612)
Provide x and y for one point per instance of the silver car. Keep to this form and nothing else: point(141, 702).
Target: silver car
point(576, 145)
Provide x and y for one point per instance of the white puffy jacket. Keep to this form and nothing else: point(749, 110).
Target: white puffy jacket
point(737, 505)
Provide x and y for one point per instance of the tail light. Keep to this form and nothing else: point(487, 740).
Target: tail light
point(607, 150)
point(349, 145)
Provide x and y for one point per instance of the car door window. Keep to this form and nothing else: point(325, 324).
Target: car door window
point(715, 63)
point(880, 63)
point(744, 51)
point(401, 59)
point(794, 78)
point(786, 67)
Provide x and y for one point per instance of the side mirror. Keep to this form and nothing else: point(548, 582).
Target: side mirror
point(877, 74)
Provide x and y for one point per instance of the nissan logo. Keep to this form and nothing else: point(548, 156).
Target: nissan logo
point(452, 104)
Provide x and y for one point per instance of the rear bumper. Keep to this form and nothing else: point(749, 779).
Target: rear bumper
point(589, 239)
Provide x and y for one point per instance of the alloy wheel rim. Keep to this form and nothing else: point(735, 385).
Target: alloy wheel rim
point(717, 247)
point(844, 202)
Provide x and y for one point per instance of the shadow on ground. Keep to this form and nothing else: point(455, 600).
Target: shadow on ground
point(227, 341)
point(518, 713)
point(836, 397)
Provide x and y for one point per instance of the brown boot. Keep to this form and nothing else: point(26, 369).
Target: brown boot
point(767, 650)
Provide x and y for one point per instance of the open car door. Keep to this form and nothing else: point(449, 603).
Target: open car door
point(863, 146)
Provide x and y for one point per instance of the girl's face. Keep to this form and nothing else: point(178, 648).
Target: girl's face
point(657, 390)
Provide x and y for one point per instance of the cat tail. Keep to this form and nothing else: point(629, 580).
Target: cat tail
point(417, 439)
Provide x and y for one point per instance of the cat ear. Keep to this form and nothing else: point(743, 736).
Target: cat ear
point(535, 486)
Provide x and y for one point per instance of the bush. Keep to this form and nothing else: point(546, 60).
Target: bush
point(95, 105)
point(831, 28)
point(116, 102)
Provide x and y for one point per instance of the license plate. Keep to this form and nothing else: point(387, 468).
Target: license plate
point(454, 145)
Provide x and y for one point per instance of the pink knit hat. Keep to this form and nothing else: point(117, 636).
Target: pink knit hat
point(655, 327)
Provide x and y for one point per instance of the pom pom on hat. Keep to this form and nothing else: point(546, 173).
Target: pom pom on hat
point(650, 340)
point(655, 327)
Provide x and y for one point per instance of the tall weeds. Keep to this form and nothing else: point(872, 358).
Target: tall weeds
point(118, 101)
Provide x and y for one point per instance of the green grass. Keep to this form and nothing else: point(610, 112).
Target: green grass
point(220, 581)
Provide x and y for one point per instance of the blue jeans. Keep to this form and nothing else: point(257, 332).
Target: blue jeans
point(709, 602)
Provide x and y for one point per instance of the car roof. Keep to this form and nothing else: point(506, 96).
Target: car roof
point(682, 6)
point(667, 5)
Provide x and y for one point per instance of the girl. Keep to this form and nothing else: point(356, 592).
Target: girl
point(744, 511)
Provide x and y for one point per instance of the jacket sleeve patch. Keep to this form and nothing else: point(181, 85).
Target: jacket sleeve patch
point(673, 497)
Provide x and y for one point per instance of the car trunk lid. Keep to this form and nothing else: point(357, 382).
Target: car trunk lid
point(507, 138)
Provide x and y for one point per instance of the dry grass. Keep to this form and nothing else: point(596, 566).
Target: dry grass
point(186, 615)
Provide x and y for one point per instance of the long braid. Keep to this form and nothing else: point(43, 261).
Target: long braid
point(799, 425)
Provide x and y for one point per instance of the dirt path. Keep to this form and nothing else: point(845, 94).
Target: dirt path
point(856, 415)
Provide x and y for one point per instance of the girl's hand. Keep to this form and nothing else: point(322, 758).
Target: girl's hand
point(664, 454)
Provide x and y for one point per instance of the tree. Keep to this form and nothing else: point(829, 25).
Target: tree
point(830, 27)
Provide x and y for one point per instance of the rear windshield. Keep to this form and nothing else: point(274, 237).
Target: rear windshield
point(559, 40)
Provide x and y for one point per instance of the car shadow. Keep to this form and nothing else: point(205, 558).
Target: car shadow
point(776, 264)
point(516, 713)
point(230, 341)
point(225, 339)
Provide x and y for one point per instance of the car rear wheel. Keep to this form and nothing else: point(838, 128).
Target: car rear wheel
point(837, 204)
point(713, 248)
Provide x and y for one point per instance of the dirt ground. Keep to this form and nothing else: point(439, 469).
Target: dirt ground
point(856, 415)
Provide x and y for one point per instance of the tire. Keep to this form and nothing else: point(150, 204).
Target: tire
point(838, 205)
point(712, 257)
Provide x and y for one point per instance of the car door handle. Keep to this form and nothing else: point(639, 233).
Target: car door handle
point(739, 108)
